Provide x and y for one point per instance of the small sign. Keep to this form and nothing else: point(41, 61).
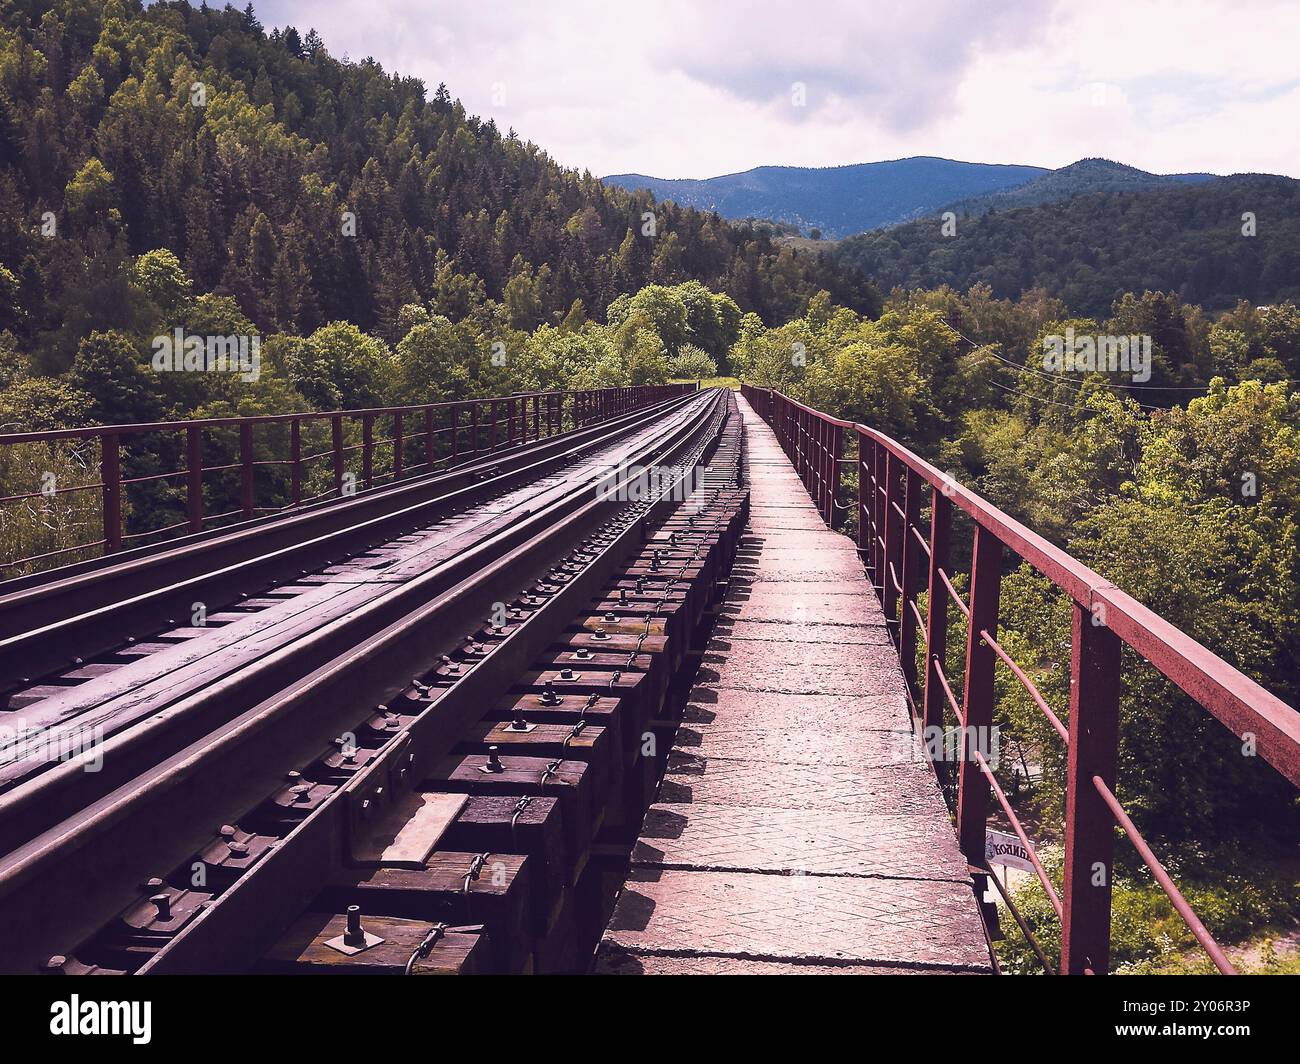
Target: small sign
point(1001, 848)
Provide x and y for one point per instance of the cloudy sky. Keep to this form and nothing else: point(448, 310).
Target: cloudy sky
point(695, 88)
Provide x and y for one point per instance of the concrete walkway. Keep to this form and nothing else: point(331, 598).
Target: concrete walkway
point(795, 831)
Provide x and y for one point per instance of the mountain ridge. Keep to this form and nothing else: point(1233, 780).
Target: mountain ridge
point(852, 198)
point(838, 200)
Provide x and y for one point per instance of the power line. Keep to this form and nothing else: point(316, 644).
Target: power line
point(1039, 398)
point(1077, 386)
point(1144, 387)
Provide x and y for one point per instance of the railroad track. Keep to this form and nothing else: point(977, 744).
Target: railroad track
point(439, 702)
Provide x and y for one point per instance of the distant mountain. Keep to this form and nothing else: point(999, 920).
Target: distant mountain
point(838, 200)
point(1092, 248)
point(1077, 179)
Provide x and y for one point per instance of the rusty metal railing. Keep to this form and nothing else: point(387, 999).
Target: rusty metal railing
point(905, 558)
point(413, 440)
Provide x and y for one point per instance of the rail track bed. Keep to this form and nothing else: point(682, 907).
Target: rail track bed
point(431, 753)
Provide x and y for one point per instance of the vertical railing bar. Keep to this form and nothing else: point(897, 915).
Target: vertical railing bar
point(336, 438)
point(892, 567)
point(1089, 826)
point(937, 611)
point(110, 466)
point(246, 468)
point(367, 449)
point(977, 699)
point(295, 458)
point(908, 578)
point(194, 482)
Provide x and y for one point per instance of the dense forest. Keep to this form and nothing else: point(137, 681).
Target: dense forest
point(308, 190)
point(1193, 240)
point(1078, 179)
point(381, 243)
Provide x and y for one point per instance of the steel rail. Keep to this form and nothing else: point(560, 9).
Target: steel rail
point(47, 625)
point(50, 791)
point(166, 810)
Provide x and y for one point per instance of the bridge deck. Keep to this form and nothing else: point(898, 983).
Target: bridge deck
point(794, 831)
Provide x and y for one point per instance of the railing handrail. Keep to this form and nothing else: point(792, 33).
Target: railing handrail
point(432, 434)
point(90, 431)
point(1104, 617)
point(1226, 692)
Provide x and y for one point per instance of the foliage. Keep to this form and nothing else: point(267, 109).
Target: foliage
point(311, 189)
point(1186, 240)
point(692, 363)
point(1147, 934)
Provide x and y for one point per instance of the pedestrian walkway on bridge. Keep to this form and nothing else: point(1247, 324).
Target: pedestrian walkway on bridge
point(795, 831)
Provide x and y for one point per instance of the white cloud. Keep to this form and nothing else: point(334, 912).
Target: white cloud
point(684, 89)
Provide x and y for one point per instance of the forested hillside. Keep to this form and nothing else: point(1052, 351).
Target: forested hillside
point(307, 190)
point(1091, 249)
point(1078, 179)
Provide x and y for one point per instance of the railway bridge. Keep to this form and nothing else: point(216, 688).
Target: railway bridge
point(547, 683)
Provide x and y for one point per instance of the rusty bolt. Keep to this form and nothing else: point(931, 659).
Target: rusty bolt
point(163, 903)
point(494, 761)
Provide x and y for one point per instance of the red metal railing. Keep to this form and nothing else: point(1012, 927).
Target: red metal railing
point(906, 555)
point(413, 440)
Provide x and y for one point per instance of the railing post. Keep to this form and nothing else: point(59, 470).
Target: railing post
point(864, 486)
point(474, 426)
point(367, 449)
point(880, 456)
point(801, 445)
point(110, 470)
point(822, 444)
point(246, 468)
point(397, 446)
point(1089, 826)
point(295, 456)
point(937, 613)
point(336, 434)
point(194, 480)
point(492, 443)
point(977, 700)
point(833, 469)
point(892, 563)
point(912, 554)
point(428, 438)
